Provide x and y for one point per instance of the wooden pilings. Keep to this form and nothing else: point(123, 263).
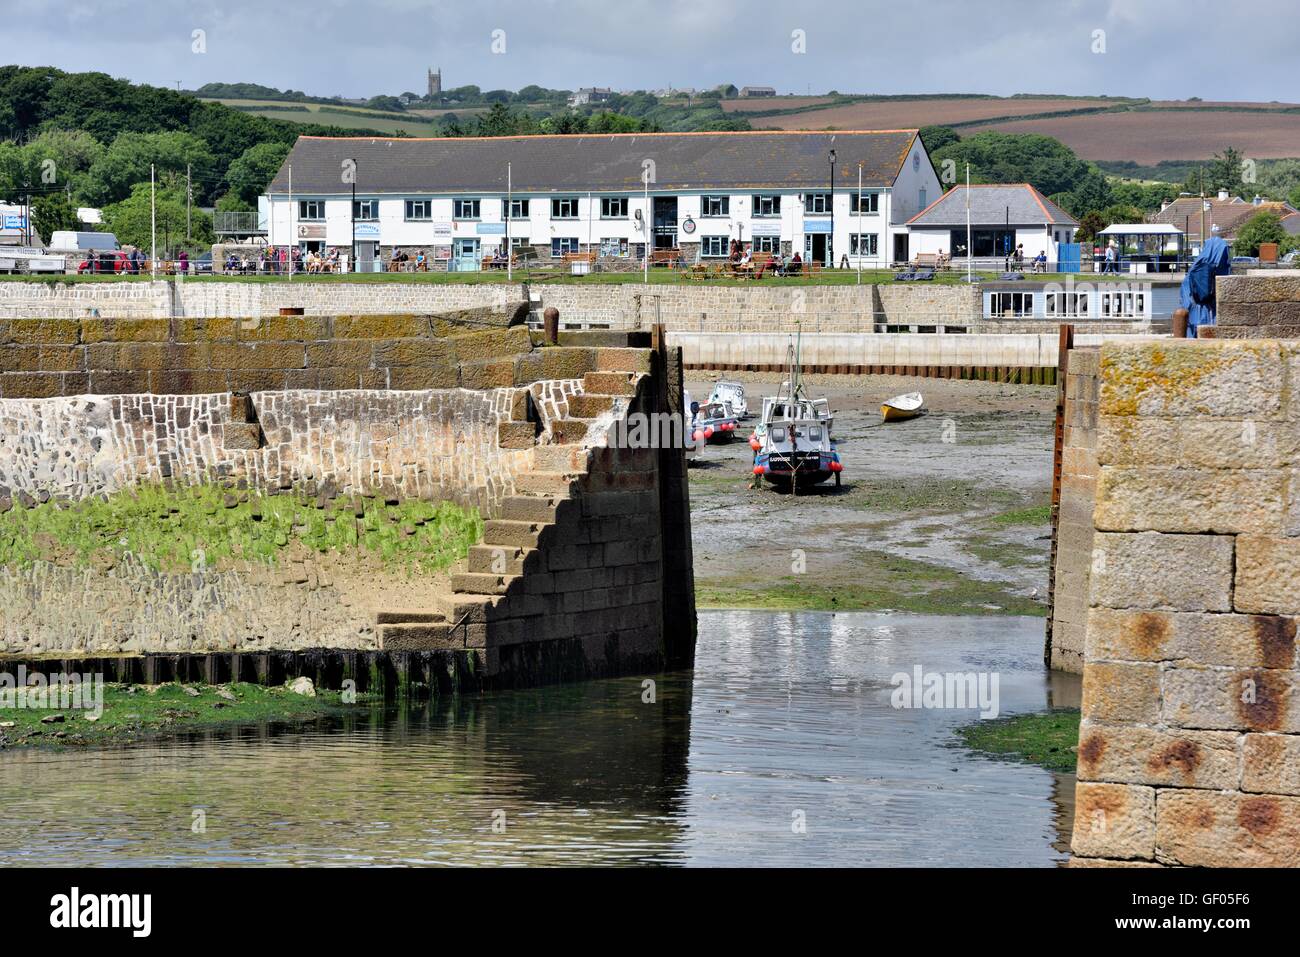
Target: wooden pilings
point(1014, 375)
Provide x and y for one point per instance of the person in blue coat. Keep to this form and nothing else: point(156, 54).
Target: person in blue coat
point(1197, 295)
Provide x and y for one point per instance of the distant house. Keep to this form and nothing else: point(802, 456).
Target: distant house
point(750, 91)
point(1002, 216)
point(590, 94)
point(1224, 215)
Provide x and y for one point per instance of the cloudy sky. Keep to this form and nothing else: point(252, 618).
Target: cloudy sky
point(366, 47)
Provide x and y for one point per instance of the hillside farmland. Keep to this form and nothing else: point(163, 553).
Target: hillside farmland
point(1149, 136)
point(907, 113)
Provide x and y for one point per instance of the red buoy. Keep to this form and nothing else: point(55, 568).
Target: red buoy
point(759, 469)
point(708, 432)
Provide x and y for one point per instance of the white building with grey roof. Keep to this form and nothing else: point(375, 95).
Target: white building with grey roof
point(462, 199)
point(1002, 217)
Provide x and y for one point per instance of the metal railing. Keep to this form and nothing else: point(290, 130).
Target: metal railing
point(238, 223)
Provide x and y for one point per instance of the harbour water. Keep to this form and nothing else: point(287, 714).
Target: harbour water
point(781, 748)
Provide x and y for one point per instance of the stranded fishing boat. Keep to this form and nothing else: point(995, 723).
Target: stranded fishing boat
point(732, 394)
point(693, 445)
point(900, 407)
point(714, 423)
point(792, 446)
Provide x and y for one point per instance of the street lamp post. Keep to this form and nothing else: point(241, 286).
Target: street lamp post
point(830, 240)
point(354, 215)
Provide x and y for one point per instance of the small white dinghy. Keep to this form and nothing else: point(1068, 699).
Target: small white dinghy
point(907, 406)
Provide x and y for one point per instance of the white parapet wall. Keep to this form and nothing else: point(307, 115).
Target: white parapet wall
point(1022, 350)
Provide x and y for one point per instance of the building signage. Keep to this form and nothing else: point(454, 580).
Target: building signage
point(15, 222)
point(491, 229)
point(442, 228)
point(688, 225)
point(816, 225)
point(367, 230)
point(311, 230)
point(765, 229)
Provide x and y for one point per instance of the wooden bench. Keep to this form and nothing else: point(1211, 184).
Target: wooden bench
point(665, 257)
point(925, 261)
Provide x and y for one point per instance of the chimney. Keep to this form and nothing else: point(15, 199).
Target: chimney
point(1223, 195)
point(1257, 200)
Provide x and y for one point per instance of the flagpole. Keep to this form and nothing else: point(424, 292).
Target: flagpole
point(510, 259)
point(968, 249)
point(859, 224)
point(153, 225)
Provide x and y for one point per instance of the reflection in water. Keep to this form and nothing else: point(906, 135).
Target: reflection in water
point(786, 721)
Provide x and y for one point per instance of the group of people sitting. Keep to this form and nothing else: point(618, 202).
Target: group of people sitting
point(1016, 261)
point(740, 258)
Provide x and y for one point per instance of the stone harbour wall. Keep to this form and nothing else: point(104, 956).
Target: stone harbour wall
point(1258, 307)
point(438, 445)
point(50, 357)
point(1189, 748)
point(490, 527)
point(683, 307)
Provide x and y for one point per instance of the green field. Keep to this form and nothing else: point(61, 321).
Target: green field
point(415, 123)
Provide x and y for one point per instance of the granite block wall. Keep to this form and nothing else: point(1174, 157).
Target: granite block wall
point(1258, 307)
point(1189, 748)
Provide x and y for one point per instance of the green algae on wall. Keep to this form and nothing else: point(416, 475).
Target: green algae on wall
point(205, 526)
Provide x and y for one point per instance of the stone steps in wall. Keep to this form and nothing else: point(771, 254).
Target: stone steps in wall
point(609, 383)
point(566, 459)
point(400, 630)
point(589, 406)
point(531, 508)
point(547, 483)
point(544, 497)
point(416, 636)
point(510, 534)
point(500, 559)
point(569, 431)
point(481, 583)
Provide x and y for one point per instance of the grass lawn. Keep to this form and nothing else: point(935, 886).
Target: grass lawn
point(1049, 739)
point(658, 276)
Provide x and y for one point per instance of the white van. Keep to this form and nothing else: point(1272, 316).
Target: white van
point(68, 241)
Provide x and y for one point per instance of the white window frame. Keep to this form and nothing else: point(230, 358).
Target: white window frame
point(412, 204)
point(811, 202)
point(870, 203)
point(562, 203)
point(564, 245)
point(1066, 305)
point(318, 210)
point(720, 243)
point(873, 244)
point(616, 203)
point(766, 244)
point(459, 207)
point(721, 206)
point(766, 205)
point(518, 209)
point(1008, 304)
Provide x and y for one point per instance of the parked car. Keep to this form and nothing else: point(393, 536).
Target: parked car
point(115, 261)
